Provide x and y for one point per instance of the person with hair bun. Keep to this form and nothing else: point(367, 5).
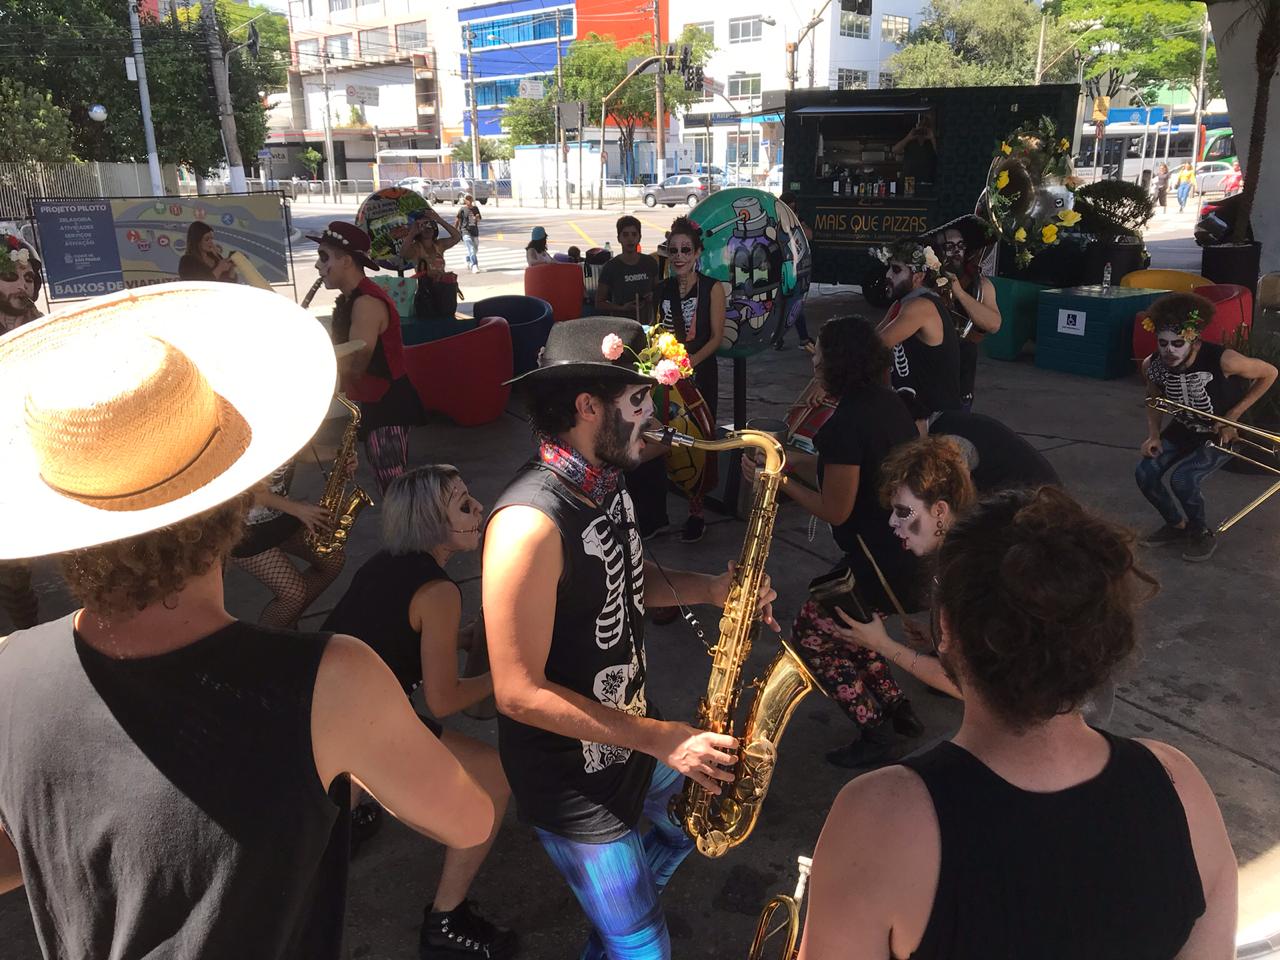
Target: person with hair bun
point(1029, 833)
point(1205, 377)
point(410, 610)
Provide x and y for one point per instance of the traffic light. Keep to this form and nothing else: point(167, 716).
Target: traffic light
point(684, 60)
point(669, 65)
point(693, 79)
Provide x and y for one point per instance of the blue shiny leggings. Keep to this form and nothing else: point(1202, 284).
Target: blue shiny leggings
point(618, 883)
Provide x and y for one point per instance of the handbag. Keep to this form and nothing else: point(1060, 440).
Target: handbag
point(839, 588)
point(436, 297)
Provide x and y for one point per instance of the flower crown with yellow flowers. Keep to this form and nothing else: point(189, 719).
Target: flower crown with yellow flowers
point(665, 358)
point(1188, 330)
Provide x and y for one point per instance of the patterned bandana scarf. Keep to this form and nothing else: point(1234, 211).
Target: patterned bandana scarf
point(598, 483)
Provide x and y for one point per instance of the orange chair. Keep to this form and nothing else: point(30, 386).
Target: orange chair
point(560, 284)
point(1232, 309)
point(1179, 281)
point(462, 376)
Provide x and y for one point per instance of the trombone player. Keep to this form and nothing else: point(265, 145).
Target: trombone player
point(1197, 378)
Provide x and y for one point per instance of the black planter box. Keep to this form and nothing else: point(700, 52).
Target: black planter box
point(1237, 263)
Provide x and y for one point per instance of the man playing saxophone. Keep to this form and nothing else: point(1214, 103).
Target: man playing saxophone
point(565, 589)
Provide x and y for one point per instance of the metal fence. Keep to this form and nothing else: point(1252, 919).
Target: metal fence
point(19, 182)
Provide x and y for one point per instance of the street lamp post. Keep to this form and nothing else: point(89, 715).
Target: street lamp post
point(475, 110)
point(793, 73)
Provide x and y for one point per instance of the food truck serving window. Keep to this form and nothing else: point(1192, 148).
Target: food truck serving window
point(884, 151)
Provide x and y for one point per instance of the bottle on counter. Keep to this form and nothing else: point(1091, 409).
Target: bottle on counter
point(1106, 278)
point(893, 189)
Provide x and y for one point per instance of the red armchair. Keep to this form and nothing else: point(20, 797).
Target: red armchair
point(560, 284)
point(462, 376)
point(1232, 309)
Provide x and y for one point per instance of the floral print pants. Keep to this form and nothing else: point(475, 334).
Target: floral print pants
point(856, 678)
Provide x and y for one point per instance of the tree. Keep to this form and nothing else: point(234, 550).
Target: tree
point(1149, 44)
point(595, 64)
point(528, 120)
point(32, 127)
point(966, 43)
point(311, 158)
point(490, 149)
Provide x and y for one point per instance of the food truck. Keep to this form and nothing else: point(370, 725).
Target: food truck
point(872, 166)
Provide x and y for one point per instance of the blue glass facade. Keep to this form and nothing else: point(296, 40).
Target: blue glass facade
point(511, 41)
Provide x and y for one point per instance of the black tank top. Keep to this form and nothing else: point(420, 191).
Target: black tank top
point(677, 312)
point(928, 377)
point(1202, 386)
point(375, 608)
point(169, 805)
point(1102, 870)
point(590, 792)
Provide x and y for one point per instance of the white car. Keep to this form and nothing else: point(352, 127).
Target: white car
point(419, 185)
point(773, 181)
point(1211, 175)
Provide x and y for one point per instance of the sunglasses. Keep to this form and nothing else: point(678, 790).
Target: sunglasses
point(954, 245)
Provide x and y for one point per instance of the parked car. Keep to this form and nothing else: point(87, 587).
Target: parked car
point(682, 188)
point(774, 179)
point(1218, 220)
point(453, 191)
point(419, 185)
point(1211, 175)
point(708, 168)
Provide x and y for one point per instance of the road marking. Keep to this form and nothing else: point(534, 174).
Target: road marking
point(582, 234)
point(502, 236)
point(649, 223)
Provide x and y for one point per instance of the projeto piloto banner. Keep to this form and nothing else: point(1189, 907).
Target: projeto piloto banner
point(92, 246)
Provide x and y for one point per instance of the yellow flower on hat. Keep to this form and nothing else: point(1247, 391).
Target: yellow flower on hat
point(1020, 235)
point(1148, 324)
point(1006, 149)
point(1002, 181)
point(1064, 144)
point(1069, 218)
point(1049, 234)
point(668, 344)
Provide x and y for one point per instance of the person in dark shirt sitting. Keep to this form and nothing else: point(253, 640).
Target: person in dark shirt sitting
point(1030, 833)
point(627, 281)
point(203, 259)
point(410, 609)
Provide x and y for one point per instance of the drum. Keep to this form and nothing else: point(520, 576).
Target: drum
point(806, 416)
point(683, 408)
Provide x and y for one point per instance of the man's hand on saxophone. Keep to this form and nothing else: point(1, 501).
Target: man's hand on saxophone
point(719, 594)
point(704, 757)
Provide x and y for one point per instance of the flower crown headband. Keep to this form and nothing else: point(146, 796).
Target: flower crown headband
point(14, 253)
point(1189, 330)
point(923, 260)
point(665, 358)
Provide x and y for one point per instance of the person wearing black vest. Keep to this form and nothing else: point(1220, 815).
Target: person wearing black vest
point(175, 780)
point(411, 610)
point(921, 331)
point(1029, 833)
point(565, 588)
point(1205, 377)
point(959, 245)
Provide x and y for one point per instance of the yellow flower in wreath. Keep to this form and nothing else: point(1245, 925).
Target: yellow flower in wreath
point(1020, 235)
point(1148, 324)
point(1006, 149)
point(1064, 144)
point(667, 344)
point(1002, 180)
point(1069, 218)
point(1049, 234)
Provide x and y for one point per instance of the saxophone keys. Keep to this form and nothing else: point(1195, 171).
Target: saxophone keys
point(713, 844)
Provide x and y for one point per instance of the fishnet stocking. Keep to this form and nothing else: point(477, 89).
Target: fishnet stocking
point(294, 589)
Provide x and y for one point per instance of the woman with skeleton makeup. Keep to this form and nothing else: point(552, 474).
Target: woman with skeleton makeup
point(1207, 378)
point(410, 609)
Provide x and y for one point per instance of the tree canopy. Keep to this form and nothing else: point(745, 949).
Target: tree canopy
point(32, 127)
point(530, 120)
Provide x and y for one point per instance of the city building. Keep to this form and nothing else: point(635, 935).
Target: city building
point(849, 50)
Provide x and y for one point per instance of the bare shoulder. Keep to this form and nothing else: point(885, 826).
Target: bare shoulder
point(520, 522)
point(1184, 774)
point(890, 803)
point(345, 657)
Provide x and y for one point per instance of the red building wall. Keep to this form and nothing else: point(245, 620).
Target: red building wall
point(619, 18)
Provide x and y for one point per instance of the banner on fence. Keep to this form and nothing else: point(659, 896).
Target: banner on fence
point(97, 246)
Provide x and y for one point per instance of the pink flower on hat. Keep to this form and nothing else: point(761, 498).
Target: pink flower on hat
point(612, 347)
point(667, 373)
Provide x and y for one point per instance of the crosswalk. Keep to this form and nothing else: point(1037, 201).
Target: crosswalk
point(494, 258)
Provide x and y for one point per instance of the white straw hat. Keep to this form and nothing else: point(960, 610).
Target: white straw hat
point(137, 410)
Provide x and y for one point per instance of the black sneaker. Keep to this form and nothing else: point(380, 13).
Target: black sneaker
point(1200, 546)
point(904, 719)
point(463, 933)
point(1167, 533)
point(693, 530)
point(874, 746)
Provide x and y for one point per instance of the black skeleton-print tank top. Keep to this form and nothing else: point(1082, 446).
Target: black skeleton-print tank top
point(590, 792)
point(1202, 386)
point(928, 377)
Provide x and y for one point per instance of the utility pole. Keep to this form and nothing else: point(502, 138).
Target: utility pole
point(1044, 18)
point(475, 110)
point(328, 123)
point(1204, 55)
point(222, 88)
point(660, 116)
point(793, 73)
point(144, 95)
point(562, 160)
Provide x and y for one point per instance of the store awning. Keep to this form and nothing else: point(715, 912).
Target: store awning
point(865, 109)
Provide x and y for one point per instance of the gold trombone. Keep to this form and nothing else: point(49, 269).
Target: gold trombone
point(1262, 440)
point(789, 906)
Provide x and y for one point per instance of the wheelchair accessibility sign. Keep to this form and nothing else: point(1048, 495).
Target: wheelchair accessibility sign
point(1071, 321)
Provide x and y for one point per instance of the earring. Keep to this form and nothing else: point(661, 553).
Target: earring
point(938, 532)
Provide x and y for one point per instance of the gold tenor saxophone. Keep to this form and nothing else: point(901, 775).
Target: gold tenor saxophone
point(718, 823)
point(789, 906)
point(340, 507)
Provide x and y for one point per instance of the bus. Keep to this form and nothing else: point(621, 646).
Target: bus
point(1131, 151)
point(1219, 144)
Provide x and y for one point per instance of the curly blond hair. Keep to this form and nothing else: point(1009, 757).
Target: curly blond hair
point(129, 575)
point(933, 468)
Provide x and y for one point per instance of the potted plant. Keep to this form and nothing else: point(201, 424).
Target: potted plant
point(1113, 213)
point(1238, 259)
point(311, 159)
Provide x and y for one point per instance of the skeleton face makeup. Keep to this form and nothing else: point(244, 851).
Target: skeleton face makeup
point(1174, 348)
point(914, 522)
point(466, 518)
point(954, 249)
point(620, 441)
point(900, 279)
point(17, 295)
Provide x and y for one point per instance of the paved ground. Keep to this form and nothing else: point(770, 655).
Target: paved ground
point(1205, 678)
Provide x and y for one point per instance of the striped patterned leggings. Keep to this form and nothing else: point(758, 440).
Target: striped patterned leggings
point(618, 883)
point(387, 449)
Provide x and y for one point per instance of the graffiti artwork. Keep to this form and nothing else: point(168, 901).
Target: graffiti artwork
point(386, 216)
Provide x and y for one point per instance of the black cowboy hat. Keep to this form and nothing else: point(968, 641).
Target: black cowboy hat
point(348, 238)
point(976, 232)
point(575, 351)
